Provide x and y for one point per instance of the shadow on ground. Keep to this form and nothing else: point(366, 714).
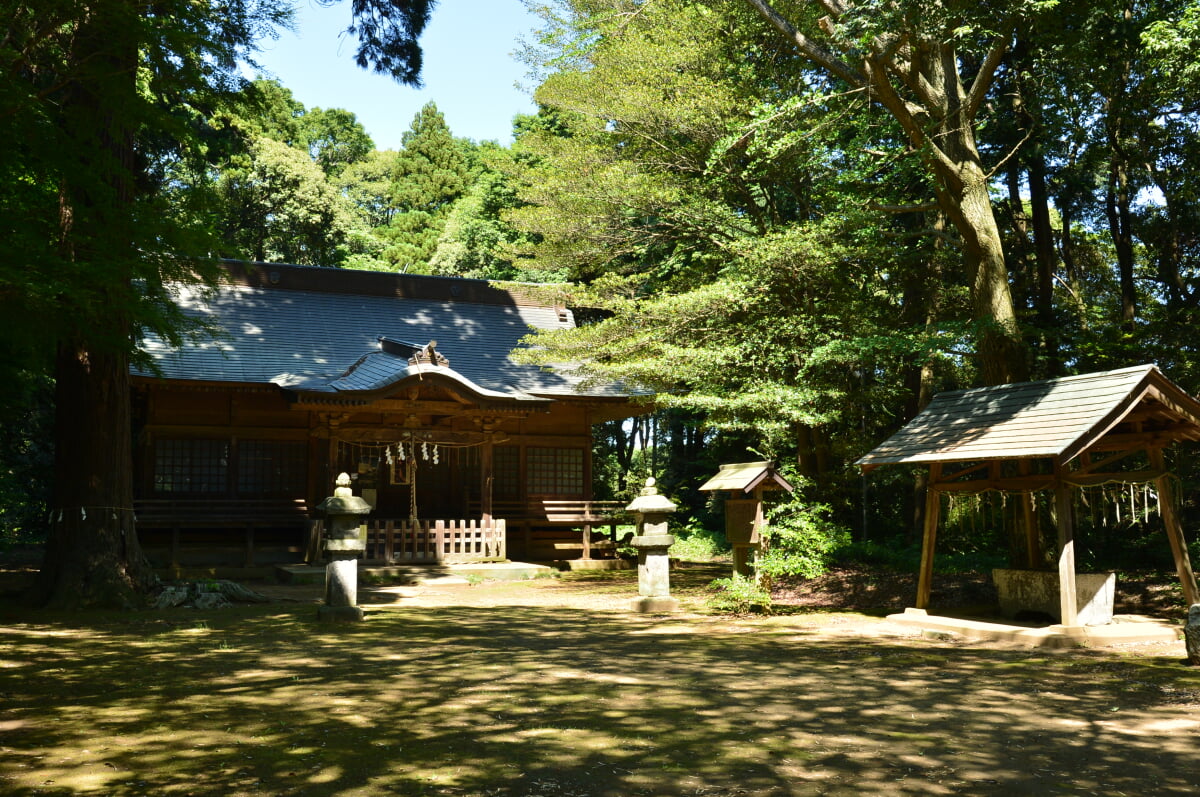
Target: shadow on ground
point(517, 700)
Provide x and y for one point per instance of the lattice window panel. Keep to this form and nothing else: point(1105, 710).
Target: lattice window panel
point(191, 466)
point(506, 473)
point(271, 467)
point(555, 471)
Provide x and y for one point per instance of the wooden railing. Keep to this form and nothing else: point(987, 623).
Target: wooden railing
point(449, 541)
point(183, 516)
point(552, 529)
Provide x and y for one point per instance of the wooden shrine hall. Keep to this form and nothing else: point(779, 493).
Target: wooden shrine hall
point(404, 382)
point(1055, 435)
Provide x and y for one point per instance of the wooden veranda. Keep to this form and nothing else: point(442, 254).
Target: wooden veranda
point(1054, 435)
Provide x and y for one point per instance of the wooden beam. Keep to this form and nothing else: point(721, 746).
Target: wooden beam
point(1166, 508)
point(951, 478)
point(1092, 479)
point(1090, 465)
point(1067, 598)
point(1009, 484)
point(933, 505)
point(357, 433)
point(1023, 484)
point(1155, 439)
point(298, 432)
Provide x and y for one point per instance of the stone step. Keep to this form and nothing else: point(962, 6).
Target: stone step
point(422, 574)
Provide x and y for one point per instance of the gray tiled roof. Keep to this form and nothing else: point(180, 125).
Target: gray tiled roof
point(308, 340)
point(1052, 418)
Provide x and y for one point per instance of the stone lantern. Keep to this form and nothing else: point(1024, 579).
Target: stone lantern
point(344, 542)
point(650, 510)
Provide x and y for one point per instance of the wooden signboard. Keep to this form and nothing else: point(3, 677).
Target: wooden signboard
point(741, 515)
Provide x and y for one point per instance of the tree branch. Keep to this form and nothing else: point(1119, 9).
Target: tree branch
point(1011, 153)
point(928, 232)
point(807, 47)
point(984, 78)
point(921, 208)
point(834, 8)
point(906, 113)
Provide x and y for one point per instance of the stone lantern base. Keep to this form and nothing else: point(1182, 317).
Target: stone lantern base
point(340, 614)
point(654, 605)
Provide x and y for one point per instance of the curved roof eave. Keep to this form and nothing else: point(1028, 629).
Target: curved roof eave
point(354, 386)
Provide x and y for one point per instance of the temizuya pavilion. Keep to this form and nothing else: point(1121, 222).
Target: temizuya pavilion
point(1055, 435)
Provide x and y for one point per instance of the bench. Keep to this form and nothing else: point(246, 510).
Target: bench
point(543, 522)
point(246, 514)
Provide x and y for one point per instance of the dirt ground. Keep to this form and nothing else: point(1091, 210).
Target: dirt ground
point(553, 687)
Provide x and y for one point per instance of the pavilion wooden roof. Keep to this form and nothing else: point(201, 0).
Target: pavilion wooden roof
point(1135, 407)
point(745, 476)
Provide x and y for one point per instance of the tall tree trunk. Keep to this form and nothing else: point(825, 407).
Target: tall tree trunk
point(920, 307)
point(1001, 351)
point(92, 554)
point(1019, 253)
point(1047, 262)
point(1117, 196)
point(1116, 205)
point(1027, 108)
point(913, 74)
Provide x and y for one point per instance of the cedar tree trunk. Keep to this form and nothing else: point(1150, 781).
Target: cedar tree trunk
point(92, 553)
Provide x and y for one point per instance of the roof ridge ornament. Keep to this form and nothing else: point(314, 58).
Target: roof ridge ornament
point(429, 355)
point(417, 354)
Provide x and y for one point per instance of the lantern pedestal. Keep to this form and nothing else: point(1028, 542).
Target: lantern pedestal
point(345, 543)
point(652, 543)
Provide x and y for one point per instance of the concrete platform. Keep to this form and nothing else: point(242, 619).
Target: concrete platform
point(588, 564)
point(1124, 630)
point(422, 574)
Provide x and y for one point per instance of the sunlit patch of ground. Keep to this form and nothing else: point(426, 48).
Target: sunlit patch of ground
point(554, 688)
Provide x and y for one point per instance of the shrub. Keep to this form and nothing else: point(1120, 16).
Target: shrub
point(739, 595)
point(697, 544)
point(899, 555)
point(801, 540)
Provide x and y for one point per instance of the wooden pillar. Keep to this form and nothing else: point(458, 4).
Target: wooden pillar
point(1067, 595)
point(933, 505)
point(1166, 508)
point(486, 480)
point(1033, 536)
point(1033, 539)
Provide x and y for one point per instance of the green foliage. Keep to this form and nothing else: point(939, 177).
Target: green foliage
point(280, 207)
point(699, 544)
point(901, 556)
point(801, 540)
point(429, 173)
point(718, 221)
point(335, 139)
point(739, 595)
point(26, 458)
point(477, 242)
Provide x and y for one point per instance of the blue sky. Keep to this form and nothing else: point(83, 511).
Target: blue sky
point(469, 69)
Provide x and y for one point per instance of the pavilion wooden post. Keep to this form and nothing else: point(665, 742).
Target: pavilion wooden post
point(933, 506)
point(1033, 537)
point(1067, 593)
point(1166, 508)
